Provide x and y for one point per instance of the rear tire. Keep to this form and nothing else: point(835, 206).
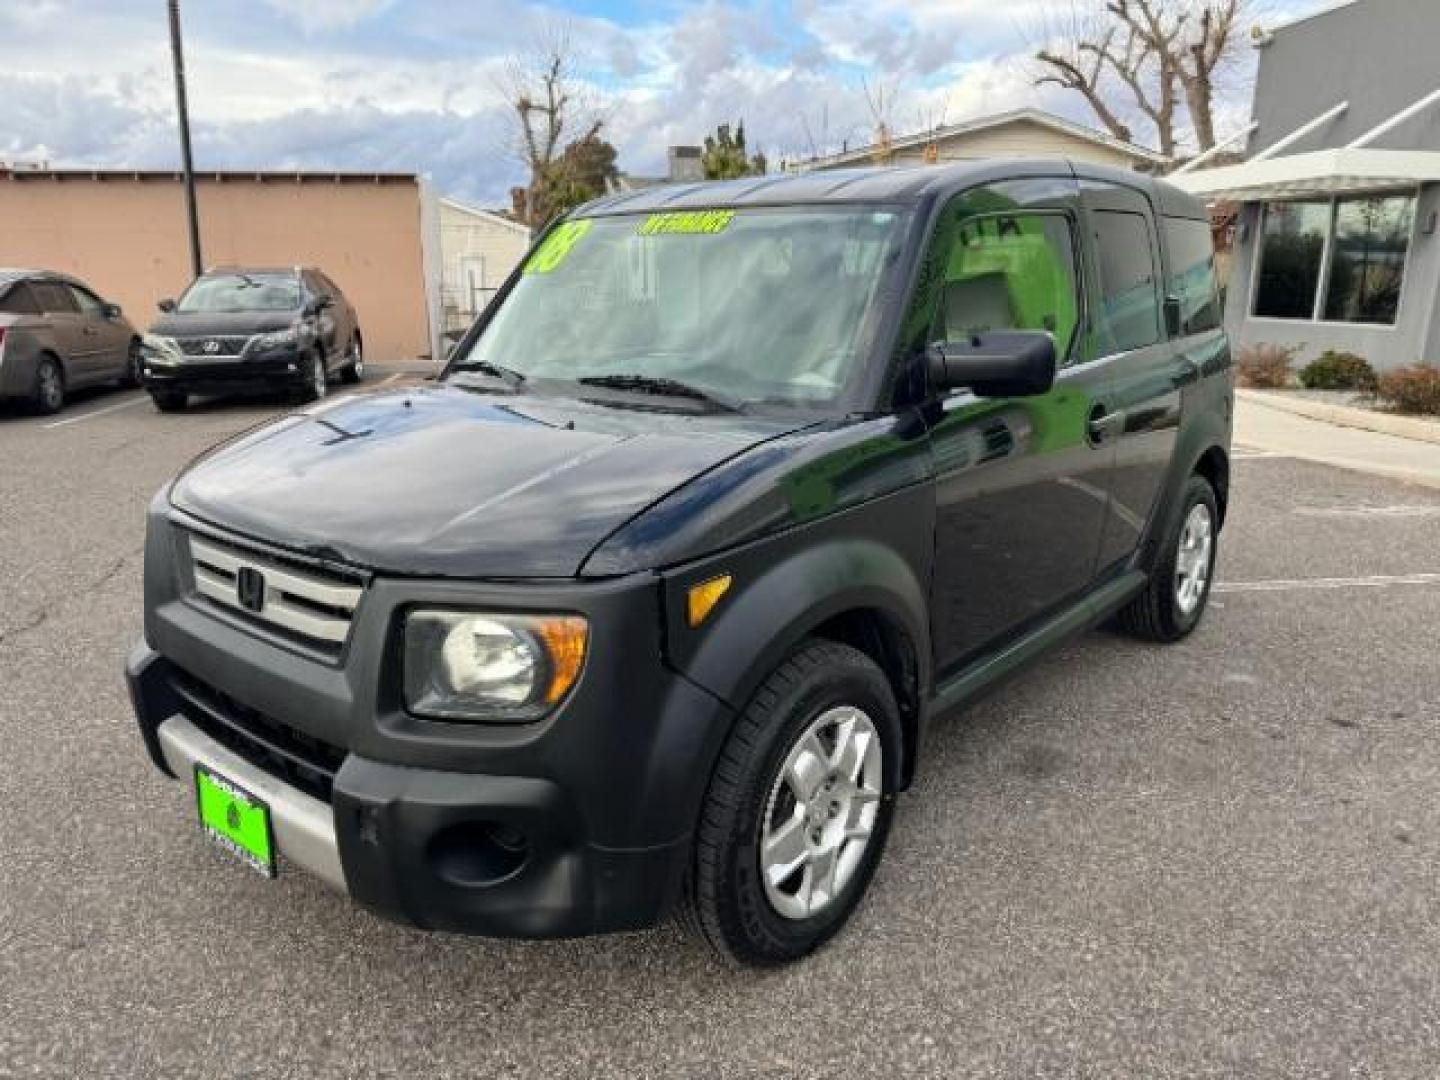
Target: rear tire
point(1175, 597)
point(169, 400)
point(47, 395)
point(798, 809)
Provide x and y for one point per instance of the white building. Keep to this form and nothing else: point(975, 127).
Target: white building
point(479, 249)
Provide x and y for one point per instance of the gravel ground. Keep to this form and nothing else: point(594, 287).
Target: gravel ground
point(1211, 860)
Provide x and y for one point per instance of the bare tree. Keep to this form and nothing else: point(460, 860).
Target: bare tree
point(1157, 50)
point(550, 109)
point(1072, 55)
point(880, 100)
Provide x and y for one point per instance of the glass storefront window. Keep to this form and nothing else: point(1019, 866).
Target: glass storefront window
point(1367, 239)
point(1367, 262)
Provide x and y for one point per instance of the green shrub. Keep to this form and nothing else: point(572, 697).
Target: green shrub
point(1413, 389)
point(1265, 367)
point(1333, 370)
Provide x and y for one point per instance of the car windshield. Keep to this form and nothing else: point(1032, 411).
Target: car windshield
point(741, 306)
point(242, 292)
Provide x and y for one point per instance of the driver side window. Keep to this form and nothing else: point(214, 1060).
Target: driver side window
point(1008, 271)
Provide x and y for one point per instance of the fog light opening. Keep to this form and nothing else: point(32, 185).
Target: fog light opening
point(478, 853)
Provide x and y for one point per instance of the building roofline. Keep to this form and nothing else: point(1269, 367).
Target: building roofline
point(1296, 20)
point(982, 123)
point(294, 176)
point(1316, 173)
point(488, 215)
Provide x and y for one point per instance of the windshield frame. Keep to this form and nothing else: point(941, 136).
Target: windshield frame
point(870, 372)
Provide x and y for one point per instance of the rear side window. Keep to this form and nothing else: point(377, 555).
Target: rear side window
point(1192, 274)
point(1010, 272)
point(54, 298)
point(1130, 304)
point(19, 301)
point(86, 301)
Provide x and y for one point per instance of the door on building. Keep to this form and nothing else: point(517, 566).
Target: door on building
point(476, 290)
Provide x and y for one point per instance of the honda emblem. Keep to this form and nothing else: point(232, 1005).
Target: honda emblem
point(250, 589)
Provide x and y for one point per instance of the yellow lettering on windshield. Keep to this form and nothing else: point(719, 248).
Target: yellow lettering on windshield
point(689, 222)
point(557, 246)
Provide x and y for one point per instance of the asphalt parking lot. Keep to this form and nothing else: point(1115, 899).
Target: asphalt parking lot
point(1212, 860)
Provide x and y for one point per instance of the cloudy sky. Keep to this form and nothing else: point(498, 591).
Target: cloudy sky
point(414, 85)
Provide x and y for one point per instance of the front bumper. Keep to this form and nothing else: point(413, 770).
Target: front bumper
point(278, 367)
point(580, 823)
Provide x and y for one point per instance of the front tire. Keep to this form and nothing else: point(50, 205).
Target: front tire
point(354, 369)
point(134, 368)
point(169, 400)
point(1175, 596)
point(798, 810)
point(317, 382)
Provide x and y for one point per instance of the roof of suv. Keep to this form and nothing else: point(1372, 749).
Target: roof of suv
point(881, 184)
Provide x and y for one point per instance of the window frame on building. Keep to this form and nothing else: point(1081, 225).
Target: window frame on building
point(1320, 300)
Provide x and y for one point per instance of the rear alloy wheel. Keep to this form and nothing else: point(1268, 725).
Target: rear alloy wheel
point(47, 396)
point(798, 810)
point(354, 369)
point(1175, 596)
point(316, 384)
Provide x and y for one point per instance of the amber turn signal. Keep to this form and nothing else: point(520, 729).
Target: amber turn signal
point(564, 639)
point(705, 596)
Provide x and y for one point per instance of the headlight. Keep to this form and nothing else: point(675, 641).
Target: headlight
point(277, 339)
point(160, 350)
point(473, 666)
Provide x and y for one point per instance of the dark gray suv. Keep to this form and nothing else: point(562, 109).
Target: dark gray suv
point(239, 328)
point(57, 335)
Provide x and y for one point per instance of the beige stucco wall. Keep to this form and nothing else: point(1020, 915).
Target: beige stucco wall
point(1020, 138)
point(126, 237)
point(489, 248)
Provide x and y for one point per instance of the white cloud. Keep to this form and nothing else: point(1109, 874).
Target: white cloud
point(315, 15)
point(412, 84)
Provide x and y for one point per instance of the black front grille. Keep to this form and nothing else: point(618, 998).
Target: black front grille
point(223, 345)
point(301, 760)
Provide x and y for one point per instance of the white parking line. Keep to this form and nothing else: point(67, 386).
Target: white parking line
point(1378, 581)
point(136, 400)
point(1401, 511)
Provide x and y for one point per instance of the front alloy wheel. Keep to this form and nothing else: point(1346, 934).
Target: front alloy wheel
point(798, 809)
point(821, 813)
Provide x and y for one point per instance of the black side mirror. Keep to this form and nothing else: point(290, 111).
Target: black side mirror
point(111, 311)
point(1172, 316)
point(996, 363)
point(319, 304)
point(167, 305)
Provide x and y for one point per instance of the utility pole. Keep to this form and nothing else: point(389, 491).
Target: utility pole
point(177, 56)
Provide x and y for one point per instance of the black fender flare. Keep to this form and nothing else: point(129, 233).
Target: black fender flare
point(783, 597)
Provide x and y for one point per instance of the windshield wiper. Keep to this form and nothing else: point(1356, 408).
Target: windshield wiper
point(660, 386)
point(496, 371)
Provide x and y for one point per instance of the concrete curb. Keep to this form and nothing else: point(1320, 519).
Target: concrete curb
point(1404, 427)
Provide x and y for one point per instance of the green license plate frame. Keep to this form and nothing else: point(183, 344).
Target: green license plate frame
point(236, 820)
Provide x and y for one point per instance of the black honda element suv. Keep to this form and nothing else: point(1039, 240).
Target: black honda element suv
point(645, 607)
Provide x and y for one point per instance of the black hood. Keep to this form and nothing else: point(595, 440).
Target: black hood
point(200, 323)
point(449, 482)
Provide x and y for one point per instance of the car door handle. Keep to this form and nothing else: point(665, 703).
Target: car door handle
point(1188, 372)
point(1100, 425)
